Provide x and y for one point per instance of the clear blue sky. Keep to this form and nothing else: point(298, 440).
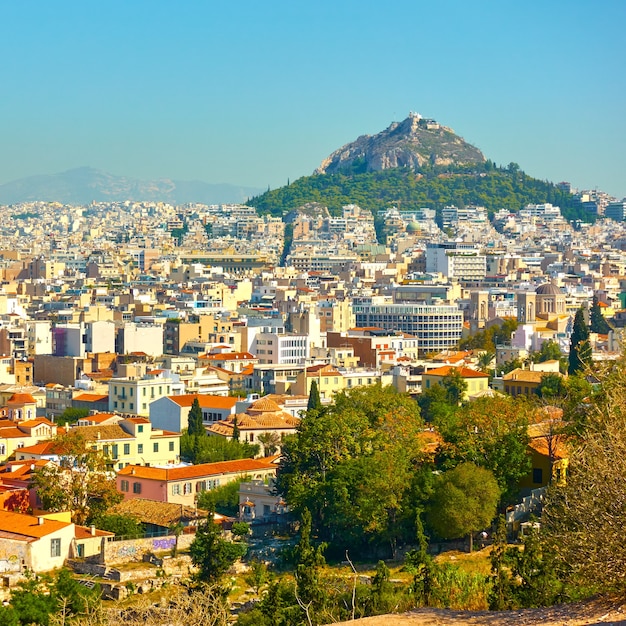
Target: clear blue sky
point(254, 93)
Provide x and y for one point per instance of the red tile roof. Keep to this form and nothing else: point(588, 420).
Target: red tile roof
point(241, 466)
point(205, 400)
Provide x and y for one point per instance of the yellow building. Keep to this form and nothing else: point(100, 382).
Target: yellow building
point(477, 382)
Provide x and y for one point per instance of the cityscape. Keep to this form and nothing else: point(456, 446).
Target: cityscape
point(277, 349)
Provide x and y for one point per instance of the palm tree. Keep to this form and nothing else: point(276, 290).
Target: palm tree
point(484, 361)
point(270, 441)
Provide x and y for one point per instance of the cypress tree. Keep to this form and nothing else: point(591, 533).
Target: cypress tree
point(580, 348)
point(195, 424)
point(315, 402)
point(597, 322)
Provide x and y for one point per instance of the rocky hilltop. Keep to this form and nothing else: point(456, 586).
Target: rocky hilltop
point(413, 143)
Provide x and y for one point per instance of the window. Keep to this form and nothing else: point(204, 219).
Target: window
point(55, 548)
point(124, 485)
point(127, 448)
point(171, 446)
point(155, 447)
point(187, 488)
point(537, 475)
point(140, 427)
point(114, 453)
point(136, 487)
point(140, 448)
point(175, 490)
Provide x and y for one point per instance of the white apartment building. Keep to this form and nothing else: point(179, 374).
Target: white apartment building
point(134, 395)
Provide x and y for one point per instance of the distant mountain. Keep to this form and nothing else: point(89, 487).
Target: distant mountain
point(415, 143)
point(85, 184)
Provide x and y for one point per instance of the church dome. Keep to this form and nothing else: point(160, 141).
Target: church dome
point(548, 289)
point(413, 227)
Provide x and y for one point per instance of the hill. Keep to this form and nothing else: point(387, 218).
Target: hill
point(412, 164)
point(415, 143)
point(85, 184)
point(483, 185)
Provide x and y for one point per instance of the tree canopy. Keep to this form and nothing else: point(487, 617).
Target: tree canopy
point(580, 348)
point(79, 483)
point(352, 466)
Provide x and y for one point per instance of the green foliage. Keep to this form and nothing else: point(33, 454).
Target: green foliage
point(464, 501)
point(36, 599)
point(353, 466)
point(493, 188)
point(204, 449)
point(71, 416)
point(597, 321)
point(580, 348)
point(240, 529)
point(224, 499)
point(491, 433)
point(211, 553)
point(257, 576)
point(501, 592)
point(492, 336)
point(79, 483)
point(309, 559)
point(314, 403)
point(552, 386)
point(195, 422)
point(126, 526)
point(455, 386)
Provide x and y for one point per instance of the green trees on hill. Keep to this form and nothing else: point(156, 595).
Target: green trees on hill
point(493, 188)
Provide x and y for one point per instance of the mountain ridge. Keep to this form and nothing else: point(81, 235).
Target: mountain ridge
point(84, 185)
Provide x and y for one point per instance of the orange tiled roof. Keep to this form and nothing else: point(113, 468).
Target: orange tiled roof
point(241, 466)
point(22, 398)
point(205, 400)
point(83, 532)
point(28, 525)
point(465, 372)
point(91, 397)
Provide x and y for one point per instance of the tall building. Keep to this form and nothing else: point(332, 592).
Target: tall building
point(436, 327)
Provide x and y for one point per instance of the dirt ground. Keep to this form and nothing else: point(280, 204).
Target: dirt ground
point(602, 611)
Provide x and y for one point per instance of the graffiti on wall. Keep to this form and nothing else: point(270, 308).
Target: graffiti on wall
point(164, 544)
point(127, 550)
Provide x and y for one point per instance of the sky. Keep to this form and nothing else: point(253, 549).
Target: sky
point(259, 93)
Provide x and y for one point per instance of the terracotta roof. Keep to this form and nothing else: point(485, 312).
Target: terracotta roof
point(526, 376)
point(103, 432)
point(36, 422)
point(205, 400)
point(263, 405)
point(44, 447)
point(241, 466)
point(465, 372)
point(84, 532)
point(91, 397)
point(28, 525)
point(22, 398)
point(158, 513)
point(275, 420)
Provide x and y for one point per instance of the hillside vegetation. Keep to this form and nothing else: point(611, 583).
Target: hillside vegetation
point(484, 185)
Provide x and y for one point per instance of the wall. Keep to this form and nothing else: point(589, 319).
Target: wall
point(134, 549)
point(12, 553)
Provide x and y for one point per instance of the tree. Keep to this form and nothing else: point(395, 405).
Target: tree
point(70, 416)
point(223, 499)
point(551, 386)
point(491, 433)
point(257, 575)
point(236, 431)
point(582, 520)
point(455, 386)
point(211, 553)
point(270, 442)
point(580, 348)
point(201, 449)
point(195, 422)
point(79, 483)
point(500, 594)
point(485, 360)
point(127, 526)
point(463, 502)
point(315, 402)
point(353, 465)
point(597, 321)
